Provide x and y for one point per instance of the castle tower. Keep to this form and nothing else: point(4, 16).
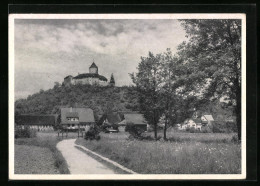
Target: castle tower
point(112, 80)
point(93, 69)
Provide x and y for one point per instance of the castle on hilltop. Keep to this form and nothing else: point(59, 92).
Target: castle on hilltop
point(91, 78)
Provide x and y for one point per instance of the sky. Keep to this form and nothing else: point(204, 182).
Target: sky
point(47, 50)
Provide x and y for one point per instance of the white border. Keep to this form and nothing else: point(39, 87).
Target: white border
point(13, 176)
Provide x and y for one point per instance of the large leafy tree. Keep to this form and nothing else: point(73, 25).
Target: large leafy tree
point(148, 81)
point(170, 72)
point(212, 58)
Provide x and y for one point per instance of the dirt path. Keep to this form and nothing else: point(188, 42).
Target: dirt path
point(79, 162)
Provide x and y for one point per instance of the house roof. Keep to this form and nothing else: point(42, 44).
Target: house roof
point(86, 115)
point(135, 118)
point(30, 119)
point(197, 120)
point(209, 117)
point(72, 114)
point(88, 75)
point(113, 118)
point(93, 65)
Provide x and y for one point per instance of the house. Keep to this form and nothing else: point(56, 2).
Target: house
point(135, 118)
point(110, 121)
point(112, 118)
point(192, 123)
point(207, 119)
point(37, 122)
point(76, 118)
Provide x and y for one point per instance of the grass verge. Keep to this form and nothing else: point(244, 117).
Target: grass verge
point(109, 165)
point(47, 140)
point(217, 155)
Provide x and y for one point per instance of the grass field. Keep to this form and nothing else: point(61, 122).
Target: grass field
point(32, 155)
point(185, 153)
point(34, 160)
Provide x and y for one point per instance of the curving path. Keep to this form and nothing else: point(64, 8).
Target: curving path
point(79, 162)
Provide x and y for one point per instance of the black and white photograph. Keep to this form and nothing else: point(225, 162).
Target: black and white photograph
point(127, 96)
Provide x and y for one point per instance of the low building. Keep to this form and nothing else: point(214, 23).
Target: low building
point(207, 119)
point(112, 118)
point(192, 123)
point(36, 122)
point(136, 119)
point(76, 118)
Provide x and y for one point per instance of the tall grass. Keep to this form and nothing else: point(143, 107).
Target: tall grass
point(190, 154)
point(48, 140)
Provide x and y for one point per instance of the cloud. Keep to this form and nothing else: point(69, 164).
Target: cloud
point(48, 50)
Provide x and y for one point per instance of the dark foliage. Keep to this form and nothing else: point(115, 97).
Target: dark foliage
point(93, 133)
point(100, 99)
point(24, 132)
point(134, 131)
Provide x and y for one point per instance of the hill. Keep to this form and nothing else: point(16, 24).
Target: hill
point(104, 99)
point(100, 99)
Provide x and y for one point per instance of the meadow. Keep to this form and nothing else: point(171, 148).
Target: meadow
point(39, 155)
point(184, 153)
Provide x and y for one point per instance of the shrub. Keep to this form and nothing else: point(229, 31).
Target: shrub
point(24, 132)
point(192, 130)
point(231, 126)
point(219, 127)
point(206, 129)
point(92, 133)
point(134, 131)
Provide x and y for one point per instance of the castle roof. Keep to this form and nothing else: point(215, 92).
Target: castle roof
point(90, 75)
point(93, 65)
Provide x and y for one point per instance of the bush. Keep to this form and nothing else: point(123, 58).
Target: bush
point(224, 127)
point(104, 127)
point(24, 132)
point(92, 133)
point(192, 130)
point(206, 129)
point(134, 131)
point(219, 127)
point(231, 126)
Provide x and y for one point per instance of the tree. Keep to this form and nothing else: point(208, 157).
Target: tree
point(149, 83)
point(169, 71)
point(56, 85)
point(212, 58)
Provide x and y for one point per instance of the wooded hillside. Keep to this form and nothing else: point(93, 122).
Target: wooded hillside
point(103, 99)
point(100, 99)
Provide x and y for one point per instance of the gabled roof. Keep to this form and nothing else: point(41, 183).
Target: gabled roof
point(93, 65)
point(30, 119)
point(197, 120)
point(137, 119)
point(87, 75)
point(113, 118)
point(86, 115)
point(72, 114)
point(209, 117)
